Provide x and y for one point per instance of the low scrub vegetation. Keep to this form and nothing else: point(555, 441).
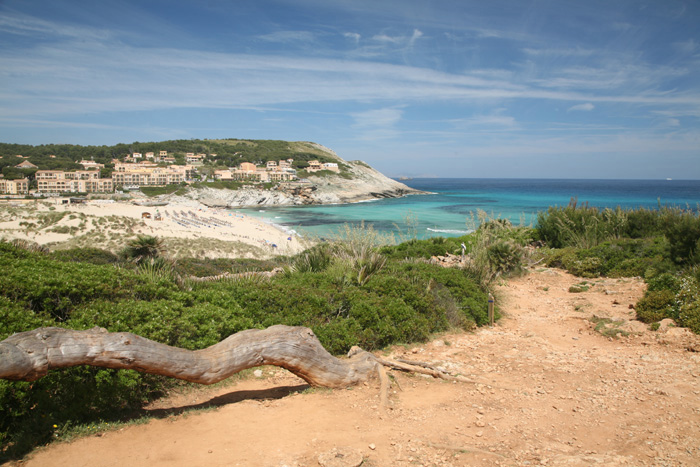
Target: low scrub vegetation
point(662, 246)
point(349, 291)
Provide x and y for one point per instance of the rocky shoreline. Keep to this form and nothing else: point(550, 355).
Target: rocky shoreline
point(366, 184)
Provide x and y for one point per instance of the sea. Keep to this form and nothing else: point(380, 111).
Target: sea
point(453, 205)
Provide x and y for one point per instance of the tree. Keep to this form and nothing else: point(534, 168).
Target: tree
point(142, 248)
point(28, 356)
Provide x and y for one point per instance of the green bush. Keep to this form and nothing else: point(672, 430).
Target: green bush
point(505, 257)
point(656, 305)
point(682, 229)
point(616, 258)
point(203, 267)
point(401, 301)
point(436, 246)
point(86, 255)
point(688, 301)
point(580, 226)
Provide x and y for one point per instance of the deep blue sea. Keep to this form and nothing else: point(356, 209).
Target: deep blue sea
point(449, 211)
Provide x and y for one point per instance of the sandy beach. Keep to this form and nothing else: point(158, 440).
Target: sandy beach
point(190, 229)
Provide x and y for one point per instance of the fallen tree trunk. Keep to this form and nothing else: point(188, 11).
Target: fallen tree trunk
point(28, 356)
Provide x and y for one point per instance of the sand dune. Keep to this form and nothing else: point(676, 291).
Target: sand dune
point(187, 228)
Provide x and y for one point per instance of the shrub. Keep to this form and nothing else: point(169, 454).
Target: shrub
point(505, 257)
point(435, 246)
point(316, 259)
point(203, 267)
point(142, 248)
point(580, 226)
point(683, 234)
point(688, 302)
point(86, 255)
point(402, 302)
point(656, 305)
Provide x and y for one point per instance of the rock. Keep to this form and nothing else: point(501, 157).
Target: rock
point(634, 327)
point(258, 373)
point(666, 324)
point(341, 457)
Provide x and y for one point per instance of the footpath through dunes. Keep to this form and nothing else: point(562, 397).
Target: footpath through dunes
point(552, 390)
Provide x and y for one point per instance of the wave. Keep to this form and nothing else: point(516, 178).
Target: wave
point(286, 230)
point(451, 231)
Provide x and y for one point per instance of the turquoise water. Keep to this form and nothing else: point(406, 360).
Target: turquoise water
point(456, 201)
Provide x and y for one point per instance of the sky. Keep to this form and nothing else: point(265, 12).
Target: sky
point(416, 88)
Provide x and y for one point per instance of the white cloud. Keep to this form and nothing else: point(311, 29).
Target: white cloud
point(353, 35)
point(288, 36)
point(585, 107)
point(416, 35)
point(388, 39)
point(559, 52)
point(688, 46)
point(495, 120)
point(377, 118)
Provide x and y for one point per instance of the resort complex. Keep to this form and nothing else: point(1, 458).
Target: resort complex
point(146, 170)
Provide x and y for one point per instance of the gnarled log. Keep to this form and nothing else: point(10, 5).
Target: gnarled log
point(29, 355)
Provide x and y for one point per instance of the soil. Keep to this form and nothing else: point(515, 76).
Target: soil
point(549, 389)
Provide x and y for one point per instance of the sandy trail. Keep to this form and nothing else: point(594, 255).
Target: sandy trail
point(555, 392)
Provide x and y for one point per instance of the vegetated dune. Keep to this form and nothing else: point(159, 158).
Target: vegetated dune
point(563, 379)
point(188, 228)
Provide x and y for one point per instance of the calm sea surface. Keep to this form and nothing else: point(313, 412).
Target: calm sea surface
point(456, 201)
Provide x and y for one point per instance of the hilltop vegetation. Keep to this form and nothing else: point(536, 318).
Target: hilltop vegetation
point(220, 153)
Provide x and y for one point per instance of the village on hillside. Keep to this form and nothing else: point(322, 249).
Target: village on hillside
point(145, 170)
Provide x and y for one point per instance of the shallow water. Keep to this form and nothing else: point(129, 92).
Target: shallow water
point(453, 208)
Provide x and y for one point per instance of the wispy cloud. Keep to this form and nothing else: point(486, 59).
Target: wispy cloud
point(91, 77)
point(689, 46)
point(559, 52)
point(377, 124)
point(354, 36)
point(585, 107)
point(25, 25)
point(491, 79)
point(288, 36)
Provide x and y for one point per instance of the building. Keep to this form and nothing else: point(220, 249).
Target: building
point(332, 166)
point(80, 181)
point(272, 172)
point(14, 187)
point(316, 166)
point(91, 165)
point(26, 165)
point(149, 174)
point(191, 158)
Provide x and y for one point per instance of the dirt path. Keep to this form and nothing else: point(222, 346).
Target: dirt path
point(555, 392)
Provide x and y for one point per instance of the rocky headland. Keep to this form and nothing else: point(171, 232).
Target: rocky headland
point(358, 182)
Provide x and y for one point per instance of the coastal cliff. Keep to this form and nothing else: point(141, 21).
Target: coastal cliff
point(358, 182)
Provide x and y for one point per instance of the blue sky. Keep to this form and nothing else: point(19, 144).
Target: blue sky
point(461, 88)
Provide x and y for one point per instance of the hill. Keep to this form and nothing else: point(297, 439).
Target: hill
point(355, 182)
point(350, 181)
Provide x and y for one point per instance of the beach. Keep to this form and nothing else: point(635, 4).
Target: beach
point(187, 228)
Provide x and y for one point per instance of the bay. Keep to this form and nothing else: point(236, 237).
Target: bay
point(454, 204)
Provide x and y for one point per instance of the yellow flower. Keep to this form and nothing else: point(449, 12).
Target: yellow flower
point(55, 426)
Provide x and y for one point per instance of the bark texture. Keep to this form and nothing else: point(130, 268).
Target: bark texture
point(29, 355)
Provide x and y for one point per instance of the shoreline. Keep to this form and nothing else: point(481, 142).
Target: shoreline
point(107, 224)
